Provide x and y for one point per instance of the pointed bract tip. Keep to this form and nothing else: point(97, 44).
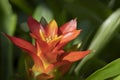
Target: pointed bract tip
point(6, 35)
point(43, 21)
point(53, 22)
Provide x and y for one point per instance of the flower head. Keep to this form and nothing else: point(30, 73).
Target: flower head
point(48, 53)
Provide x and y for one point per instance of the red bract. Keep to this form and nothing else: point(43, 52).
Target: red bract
point(48, 53)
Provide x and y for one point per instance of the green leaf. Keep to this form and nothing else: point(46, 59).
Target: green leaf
point(42, 11)
point(110, 70)
point(23, 5)
point(117, 78)
point(83, 9)
point(8, 25)
point(89, 17)
point(104, 34)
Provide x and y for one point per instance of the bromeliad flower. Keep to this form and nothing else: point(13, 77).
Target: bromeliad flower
point(48, 53)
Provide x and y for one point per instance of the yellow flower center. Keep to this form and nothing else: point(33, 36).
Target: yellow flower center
point(47, 39)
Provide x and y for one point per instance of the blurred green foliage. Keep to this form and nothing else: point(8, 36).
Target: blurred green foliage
point(98, 19)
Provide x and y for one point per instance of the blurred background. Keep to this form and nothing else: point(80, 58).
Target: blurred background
point(98, 19)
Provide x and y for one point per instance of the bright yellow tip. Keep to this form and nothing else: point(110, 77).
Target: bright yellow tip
point(52, 28)
point(53, 24)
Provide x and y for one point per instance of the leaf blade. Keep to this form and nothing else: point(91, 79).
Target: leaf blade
point(110, 70)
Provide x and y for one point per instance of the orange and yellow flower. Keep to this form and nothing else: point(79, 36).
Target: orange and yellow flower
point(48, 53)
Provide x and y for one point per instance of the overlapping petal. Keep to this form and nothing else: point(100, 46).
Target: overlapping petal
point(52, 29)
point(75, 56)
point(56, 65)
point(67, 38)
point(48, 53)
point(34, 26)
point(69, 26)
point(28, 47)
point(54, 42)
point(44, 76)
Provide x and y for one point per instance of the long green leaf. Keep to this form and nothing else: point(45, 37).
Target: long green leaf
point(104, 34)
point(117, 78)
point(7, 24)
point(110, 70)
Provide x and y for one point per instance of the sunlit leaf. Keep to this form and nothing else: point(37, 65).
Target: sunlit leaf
point(7, 25)
point(117, 78)
point(109, 71)
point(104, 34)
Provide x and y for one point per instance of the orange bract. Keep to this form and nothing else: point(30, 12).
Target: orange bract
point(48, 53)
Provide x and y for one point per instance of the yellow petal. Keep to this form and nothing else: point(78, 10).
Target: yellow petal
point(52, 28)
